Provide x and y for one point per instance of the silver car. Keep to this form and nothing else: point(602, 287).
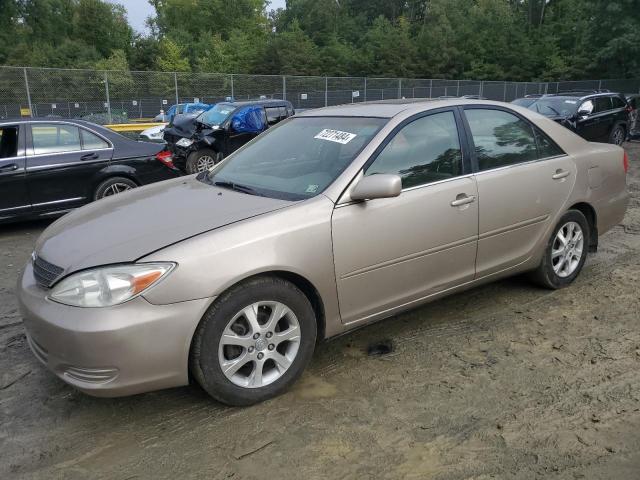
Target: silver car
point(335, 218)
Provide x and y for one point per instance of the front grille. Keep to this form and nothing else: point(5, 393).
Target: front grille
point(45, 273)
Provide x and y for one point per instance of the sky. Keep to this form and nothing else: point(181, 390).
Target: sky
point(139, 10)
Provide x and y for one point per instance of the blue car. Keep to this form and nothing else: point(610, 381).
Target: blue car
point(180, 109)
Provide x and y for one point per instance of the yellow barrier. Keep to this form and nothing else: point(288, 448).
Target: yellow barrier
point(133, 127)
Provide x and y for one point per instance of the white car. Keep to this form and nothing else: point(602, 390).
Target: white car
point(153, 134)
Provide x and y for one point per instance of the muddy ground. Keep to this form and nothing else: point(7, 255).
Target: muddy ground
point(504, 381)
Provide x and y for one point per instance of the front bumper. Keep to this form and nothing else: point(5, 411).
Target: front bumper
point(130, 348)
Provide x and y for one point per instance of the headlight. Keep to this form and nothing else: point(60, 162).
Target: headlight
point(107, 286)
point(184, 142)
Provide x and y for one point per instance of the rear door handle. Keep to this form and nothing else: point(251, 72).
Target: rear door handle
point(10, 167)
point(89, 156)
point(560, 174)
point(463, 199)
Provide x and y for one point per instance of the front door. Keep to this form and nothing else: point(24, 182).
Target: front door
point(396, 251)
point(62, 163)
point(14, 199)
point(523, 181)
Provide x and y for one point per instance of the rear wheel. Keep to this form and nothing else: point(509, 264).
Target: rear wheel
point(113, 186)
point(566, 252)
point(254, 341)
point(202, 160)
point(618, 135)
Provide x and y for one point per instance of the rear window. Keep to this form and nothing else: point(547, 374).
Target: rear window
point(618, 103)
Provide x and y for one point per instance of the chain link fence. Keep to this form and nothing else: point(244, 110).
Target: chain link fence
point(123, 96)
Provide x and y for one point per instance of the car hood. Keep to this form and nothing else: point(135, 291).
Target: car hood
point(130, 225)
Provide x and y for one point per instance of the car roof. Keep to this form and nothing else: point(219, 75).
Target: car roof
point(391, 108)
point(264, 102)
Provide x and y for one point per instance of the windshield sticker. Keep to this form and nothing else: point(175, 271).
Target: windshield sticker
point(572, 102)
point(311, 189)
point(335, 136)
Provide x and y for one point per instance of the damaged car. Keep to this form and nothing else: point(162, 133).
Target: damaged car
point(198, 143)
point(595, 116)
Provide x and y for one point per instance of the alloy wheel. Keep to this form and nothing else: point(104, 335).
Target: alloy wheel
point(618, 136)
point(116, 188)
point(205, 162)
point(567, 249)
point(259, 344)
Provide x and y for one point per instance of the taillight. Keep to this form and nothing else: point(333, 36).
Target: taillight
point(625, 162)
point(166, 158)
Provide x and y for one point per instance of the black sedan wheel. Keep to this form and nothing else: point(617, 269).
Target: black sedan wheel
point(202, 160)
point(618, 135)
point(113, 186)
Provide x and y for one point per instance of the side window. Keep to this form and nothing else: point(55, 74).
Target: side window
point(500, 138)
point(54, 138)
point(603, 104)
point(618, 102)
point(8, 141)
point(273, 115)
point(546, 147)
point(91, 141)
point(424, 151)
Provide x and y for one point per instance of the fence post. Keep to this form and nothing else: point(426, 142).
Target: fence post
point(365, 89)
point(26, 84)
point(175, 84)
point(232, 89)
point(600, 85)
point(504, 95)
point(284, 87)
point(431, 88)
point(399, 88)
point(326, 90)
point(458, 89)
point(106, 86)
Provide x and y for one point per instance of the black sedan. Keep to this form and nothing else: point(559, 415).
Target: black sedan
point(50, 166)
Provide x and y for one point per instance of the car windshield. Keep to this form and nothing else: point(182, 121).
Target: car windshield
point(556, 106)
point(297, 159)
point(216, 115)
point(523, 102)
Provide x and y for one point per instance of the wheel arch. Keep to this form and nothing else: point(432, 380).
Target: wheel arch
point(592, 217)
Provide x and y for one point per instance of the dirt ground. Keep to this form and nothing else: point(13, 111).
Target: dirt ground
point(504, 381)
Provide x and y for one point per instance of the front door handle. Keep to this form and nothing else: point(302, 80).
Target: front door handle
point(560, 174)
point(10, 167)
point(463, 199)
point(89, 156)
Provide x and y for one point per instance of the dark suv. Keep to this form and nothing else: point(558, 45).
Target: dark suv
point(198, 143)
point(595, 116)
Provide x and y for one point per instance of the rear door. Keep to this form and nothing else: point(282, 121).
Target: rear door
point(524, 180)
point(14, 199)
point(606, 117)
point(63, 160)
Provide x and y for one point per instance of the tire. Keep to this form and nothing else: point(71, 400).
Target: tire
point(202, 160)
point(618, 135)
point(550, 274)
point(112, 186)
point(241, 385)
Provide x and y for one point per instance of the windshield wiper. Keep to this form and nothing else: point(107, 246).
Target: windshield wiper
point(237, 187)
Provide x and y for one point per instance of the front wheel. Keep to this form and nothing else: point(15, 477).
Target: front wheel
point(254, 341)
point(566, 252)
point(202, 160)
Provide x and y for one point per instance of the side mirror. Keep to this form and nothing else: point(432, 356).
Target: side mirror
point(381, 185)
point(236, 124)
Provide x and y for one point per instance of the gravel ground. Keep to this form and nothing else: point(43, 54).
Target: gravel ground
point(503, 381)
